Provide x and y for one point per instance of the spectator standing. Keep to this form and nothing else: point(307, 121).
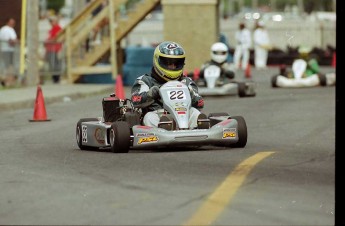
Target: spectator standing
point(243, 44)
point(262, 45)
point(53, 49)
point(223, 39)
point(8, 41)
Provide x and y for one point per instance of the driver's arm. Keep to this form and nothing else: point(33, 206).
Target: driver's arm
point(139, 94)
point(197, 100)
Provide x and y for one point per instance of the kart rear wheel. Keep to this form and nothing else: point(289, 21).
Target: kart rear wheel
point(119, 137)
point(241, 89)
point(242, 132)
point(79, 134)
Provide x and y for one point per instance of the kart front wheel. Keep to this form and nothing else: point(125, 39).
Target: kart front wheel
point(241, 132)
point(79, 134)
point(274, 81)
point(216, 114)
point(119, 137)
point(322, 79)
point(246, 89)
point(241, 89)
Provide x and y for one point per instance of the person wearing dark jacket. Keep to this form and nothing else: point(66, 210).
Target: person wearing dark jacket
point(168, 64)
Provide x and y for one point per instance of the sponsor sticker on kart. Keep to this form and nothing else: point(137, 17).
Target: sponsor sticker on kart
point(176, 95)
point(180, 109)
point(99, 135)
point(229, 133)
point(145, 134)
point(84, 134)
point(150, 139)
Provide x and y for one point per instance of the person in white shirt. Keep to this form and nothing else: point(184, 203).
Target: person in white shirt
point(243, 44)
point(8, 41)
point(262, 45)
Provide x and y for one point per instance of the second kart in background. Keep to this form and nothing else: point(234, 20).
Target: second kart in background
point(216, 77)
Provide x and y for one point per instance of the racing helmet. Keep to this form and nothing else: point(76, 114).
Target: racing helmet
point(168, 60)
point(304, 52)
point(219, 52)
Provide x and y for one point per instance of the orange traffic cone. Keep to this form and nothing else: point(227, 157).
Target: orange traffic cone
point(334, 60)
point(40, 114)
point(247, 72)
point(119, 91)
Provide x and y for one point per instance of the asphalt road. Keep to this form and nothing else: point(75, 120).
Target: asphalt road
point(284, 176)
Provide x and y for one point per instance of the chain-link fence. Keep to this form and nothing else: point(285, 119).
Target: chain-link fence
point(51, 63)
point(9, 61)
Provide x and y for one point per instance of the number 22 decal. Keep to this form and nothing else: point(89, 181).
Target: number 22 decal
point(173, 95)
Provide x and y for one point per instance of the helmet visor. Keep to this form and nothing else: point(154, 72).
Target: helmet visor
point(171, 63)
point(219, 52)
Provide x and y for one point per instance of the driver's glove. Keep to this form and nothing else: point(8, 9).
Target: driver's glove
point(229, 74)
point(153, 93)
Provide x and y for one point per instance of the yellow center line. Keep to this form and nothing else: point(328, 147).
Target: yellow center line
point(221, 197)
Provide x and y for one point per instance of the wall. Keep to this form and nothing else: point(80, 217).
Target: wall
point(194, 25)
point(314, 33)
point(290, 33)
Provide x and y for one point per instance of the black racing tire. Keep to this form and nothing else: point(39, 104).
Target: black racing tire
point(241, 89)
point(323, 79)
point(79, 133)
point(274, 81)
point(119, 137)
point(241, 132)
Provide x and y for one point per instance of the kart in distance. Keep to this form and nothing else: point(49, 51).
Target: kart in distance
point(213, 85)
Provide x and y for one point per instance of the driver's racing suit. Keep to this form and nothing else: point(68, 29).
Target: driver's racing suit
point(153, 109)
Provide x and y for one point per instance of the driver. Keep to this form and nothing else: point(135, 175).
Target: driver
point(168, 63)
point(219, 55)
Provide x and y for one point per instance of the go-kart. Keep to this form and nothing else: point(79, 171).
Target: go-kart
point(295, 78)
point(121, 128)
point(212, 84)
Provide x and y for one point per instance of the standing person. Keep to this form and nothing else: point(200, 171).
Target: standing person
point(53, 48)
point(8, 41)
point(168, 63)
point(223, 39)
point(262, 45)
point(243, 43)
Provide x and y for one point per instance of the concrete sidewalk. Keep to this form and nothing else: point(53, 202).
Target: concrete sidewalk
point(24, 97)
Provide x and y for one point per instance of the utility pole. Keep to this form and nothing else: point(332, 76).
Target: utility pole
point(32, 43)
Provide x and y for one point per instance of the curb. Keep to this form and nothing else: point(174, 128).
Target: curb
point(29, 102)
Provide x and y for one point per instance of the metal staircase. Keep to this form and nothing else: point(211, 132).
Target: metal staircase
point(79, 60)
